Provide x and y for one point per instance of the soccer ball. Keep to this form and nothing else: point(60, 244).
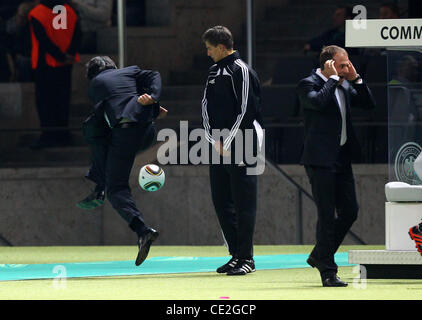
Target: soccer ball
point(151, 177)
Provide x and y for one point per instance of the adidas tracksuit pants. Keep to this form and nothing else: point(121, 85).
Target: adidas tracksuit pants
point(234, 195)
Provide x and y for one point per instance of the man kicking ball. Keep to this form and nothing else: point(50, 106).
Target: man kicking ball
point(122, 124)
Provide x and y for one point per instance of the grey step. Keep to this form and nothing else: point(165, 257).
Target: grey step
point(177, 92)
point(188, 77)
point(107, 40)
point(318, 10)
point(25, 139)
point(175, 122)
point(323, 12)
point(173, 106)
point(63, 156)
point(189, 92)
point(281, 44)
point(182, 107)
point(174, 97)
point(284, 27)
point(170, 121)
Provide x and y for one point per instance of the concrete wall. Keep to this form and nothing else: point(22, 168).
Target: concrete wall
point(37, 207)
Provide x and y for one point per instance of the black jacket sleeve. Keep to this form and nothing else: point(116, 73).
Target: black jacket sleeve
point(148, 81)
point(314, 99)
point(361, 97)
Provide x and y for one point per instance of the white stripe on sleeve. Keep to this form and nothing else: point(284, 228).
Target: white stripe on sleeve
point(245, 94)
point(205, 118)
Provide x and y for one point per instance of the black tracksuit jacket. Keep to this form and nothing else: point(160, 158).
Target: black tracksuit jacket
point(231, 100)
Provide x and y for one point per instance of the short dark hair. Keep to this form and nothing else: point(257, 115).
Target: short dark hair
point(328, 53)
point(219, 35)
point(393, 7)
point(97, 65)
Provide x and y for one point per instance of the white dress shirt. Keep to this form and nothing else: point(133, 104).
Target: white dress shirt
point(341, 100)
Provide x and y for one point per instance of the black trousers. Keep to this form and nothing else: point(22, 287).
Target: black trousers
point(333, 189)
point(53, 92)
point(234, 195)
point(114, 151)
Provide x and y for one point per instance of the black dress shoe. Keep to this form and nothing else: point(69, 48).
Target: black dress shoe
point(94, 200)
point(333, 281)
point(144, 243)
point(314, 263)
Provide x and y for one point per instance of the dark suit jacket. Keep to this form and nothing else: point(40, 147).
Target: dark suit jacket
point(116, 92)
point(323, 118)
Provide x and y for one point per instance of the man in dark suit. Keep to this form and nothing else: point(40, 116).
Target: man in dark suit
point(125, 106)
point(327, 97)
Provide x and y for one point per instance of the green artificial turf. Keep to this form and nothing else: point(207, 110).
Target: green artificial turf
point(297, 284)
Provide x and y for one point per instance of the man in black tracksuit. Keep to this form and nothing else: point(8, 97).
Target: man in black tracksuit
point(125, 106)
point(232, 103)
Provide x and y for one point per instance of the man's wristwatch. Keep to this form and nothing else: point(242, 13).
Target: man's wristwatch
point(356, 79)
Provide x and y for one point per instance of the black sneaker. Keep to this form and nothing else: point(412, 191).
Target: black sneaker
point(228, 266)
point(242, 267)
point(94, 200)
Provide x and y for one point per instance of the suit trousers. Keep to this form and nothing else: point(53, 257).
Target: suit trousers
point(234, 195)
point(113, 156)
point(333, 189)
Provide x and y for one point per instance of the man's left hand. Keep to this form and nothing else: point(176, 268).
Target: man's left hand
point(352, 74)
